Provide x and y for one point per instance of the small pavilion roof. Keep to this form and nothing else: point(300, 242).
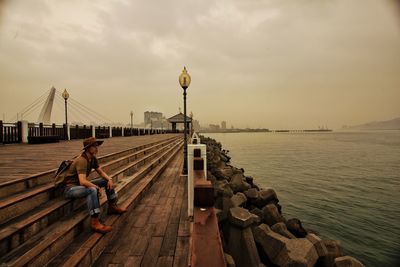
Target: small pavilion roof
point(179, 118)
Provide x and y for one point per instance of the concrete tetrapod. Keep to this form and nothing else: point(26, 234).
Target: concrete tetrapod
point(241, 243)
point(347, 261)
point(283, 251)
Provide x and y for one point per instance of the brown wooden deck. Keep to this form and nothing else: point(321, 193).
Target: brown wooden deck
point(22, 160)
point(156, 232)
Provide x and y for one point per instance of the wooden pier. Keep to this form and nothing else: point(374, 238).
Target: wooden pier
point(39, 227)
point(157, 231)
point(18, 161)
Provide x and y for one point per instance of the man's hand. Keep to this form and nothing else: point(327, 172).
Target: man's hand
point(110, 184)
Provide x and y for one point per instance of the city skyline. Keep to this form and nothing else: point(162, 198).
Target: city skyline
point(255, 64)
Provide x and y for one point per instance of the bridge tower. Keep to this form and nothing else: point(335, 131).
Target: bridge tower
point(45, 114)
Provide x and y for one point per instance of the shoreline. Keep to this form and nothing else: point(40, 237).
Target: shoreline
point(268, 131)
point(252, 216)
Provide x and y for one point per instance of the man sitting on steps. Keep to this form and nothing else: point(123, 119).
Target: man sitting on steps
point(77, 185)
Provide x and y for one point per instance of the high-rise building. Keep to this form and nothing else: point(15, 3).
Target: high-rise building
point(223, 125)
point(150, 116)
point(196, 125)
point(214, 127)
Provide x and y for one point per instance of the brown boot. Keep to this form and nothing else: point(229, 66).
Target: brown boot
point(114, 209)
point(99, 227)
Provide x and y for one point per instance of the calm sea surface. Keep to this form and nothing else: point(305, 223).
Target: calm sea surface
point(345, 185)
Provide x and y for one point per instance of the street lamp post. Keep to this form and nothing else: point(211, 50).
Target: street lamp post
point(131, 121)
point(184, 81)
point(191, 123)
point(65, 95)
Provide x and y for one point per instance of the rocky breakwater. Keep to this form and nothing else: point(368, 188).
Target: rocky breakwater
point(253, 230)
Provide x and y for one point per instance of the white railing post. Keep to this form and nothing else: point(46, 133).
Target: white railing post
point(195, 144)
point(68, 132)
point(24, 131)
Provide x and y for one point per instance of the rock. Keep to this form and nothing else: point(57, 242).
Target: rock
point(229, 261)
point(239, 200)
point(281, 229)
point(258, 212)
point(295, 227)
point(242, 247)
point(222, 188)
point(266, 196)
point(241, 217)
point(282, 251)
point(334, 251)
point(318, 244)
point(251, 194)
point(221, 165)
point(271, 215)
point(224, 157)
point(279, 208)
point(347, 261)
point(227, 171)
point(211, 177)
point(221, 216)
point(224, 204)
point(238, 184)
point(249, 180)
point(221, 175)
point(256, 186)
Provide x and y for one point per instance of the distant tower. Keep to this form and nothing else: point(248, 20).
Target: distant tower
point(45, 114)
point(223, 125)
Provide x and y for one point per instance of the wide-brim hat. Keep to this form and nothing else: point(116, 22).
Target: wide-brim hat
point(88, 142)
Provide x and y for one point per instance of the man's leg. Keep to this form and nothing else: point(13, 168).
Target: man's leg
point(92, 203)
point(111, 197)
point(101, 182)
point(80, 191)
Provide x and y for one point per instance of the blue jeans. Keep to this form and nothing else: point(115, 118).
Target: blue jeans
point(90, 193)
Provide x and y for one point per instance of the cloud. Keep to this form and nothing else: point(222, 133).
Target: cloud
point(259, 62)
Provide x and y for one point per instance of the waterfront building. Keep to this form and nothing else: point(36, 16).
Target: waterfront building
point(196, 125)
point(214, 127)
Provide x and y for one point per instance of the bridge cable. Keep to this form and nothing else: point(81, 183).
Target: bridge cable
point(33, 105)
point(90, 111)
point(88, 116)
point(77, 115)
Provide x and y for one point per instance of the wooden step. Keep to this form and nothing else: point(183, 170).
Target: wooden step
point(48, 243)
point(86, 252)
point(17, 232)
point(13, 206)
point(20, 185)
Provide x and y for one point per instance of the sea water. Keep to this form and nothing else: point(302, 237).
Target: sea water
point(344, 185)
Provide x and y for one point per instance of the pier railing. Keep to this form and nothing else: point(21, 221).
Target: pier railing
point(10, 132)
point(41, 129)
point(116, 131)
point(80, 132)
point(22, 131)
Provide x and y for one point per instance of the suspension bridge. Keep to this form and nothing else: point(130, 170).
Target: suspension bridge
point(53, 98)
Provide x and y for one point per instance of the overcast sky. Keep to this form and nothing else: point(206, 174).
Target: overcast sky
point(272, 63)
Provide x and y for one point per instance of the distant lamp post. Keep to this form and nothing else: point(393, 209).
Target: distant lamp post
point(184, 81)
point(65, 95)
point(131, 121)
point(191, 123)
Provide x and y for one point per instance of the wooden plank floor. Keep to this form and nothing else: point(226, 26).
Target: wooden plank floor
point(156, 232)
point(23, 160)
